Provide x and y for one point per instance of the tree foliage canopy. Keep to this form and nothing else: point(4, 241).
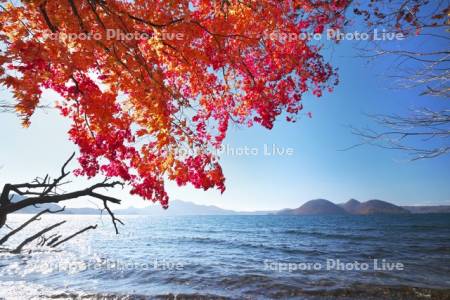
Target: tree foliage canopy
point(155, 106)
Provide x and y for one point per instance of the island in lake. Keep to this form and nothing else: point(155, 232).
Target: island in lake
point(355, 207)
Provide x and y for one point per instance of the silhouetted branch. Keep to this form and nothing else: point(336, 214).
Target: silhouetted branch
point(6, 107)
point(45, 239)
point(45, 191)
point(53, 244)
point(54, 240)
point(34, 218)
point(113, 217)
point(35, 236)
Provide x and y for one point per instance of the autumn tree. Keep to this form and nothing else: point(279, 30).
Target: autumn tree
point(422, 63)
point(151, 87)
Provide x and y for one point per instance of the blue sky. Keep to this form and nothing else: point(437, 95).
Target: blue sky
point(317, 169)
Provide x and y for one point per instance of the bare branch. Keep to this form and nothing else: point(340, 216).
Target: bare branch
point(45, 191)
point(425, 127)
point(421, 62)
point(45, 239)
point(88, 192)
point(34, 218)
point(6, 107)
point(113, 217)
point(54, 240)
point(54, 245)
point(35, 236)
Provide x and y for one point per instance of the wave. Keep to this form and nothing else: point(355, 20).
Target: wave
point(282, 291)
point(367, 292)
point(236, 243)
point(134, 297)
point(321, 234)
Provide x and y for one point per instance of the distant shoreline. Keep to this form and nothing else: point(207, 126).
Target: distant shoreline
point(312, 207)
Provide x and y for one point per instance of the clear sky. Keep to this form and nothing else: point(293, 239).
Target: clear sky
point(317, 169)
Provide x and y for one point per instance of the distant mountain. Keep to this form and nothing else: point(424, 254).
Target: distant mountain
point(54, 207)
point(352, 207)
point(38, 208)
point(372, 207)
point(177, 208)
point(33, 209)
point(380, 207)
point(315, 207)
point(438, 209)
point(286, 211)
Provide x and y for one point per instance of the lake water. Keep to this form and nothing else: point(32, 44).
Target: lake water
point(236, 257)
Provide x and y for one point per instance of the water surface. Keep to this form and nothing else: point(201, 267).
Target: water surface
point(237, 257)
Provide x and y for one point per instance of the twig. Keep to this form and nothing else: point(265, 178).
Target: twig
point(34, 218)
point(35, 236)
point(54, 245)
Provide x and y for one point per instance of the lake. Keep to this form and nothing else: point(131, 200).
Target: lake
point(235, 257)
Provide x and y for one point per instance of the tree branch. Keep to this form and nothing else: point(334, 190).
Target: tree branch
point(113, 217)
point(45, 191)
point(34, 218)
point(54, 245)
point(35, 236)
point(405, 133)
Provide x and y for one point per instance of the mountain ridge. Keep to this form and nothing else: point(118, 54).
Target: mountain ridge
point(351, 207)
point(176, 208)
point(315, 207)
point(321, 206)
point(371, 207)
